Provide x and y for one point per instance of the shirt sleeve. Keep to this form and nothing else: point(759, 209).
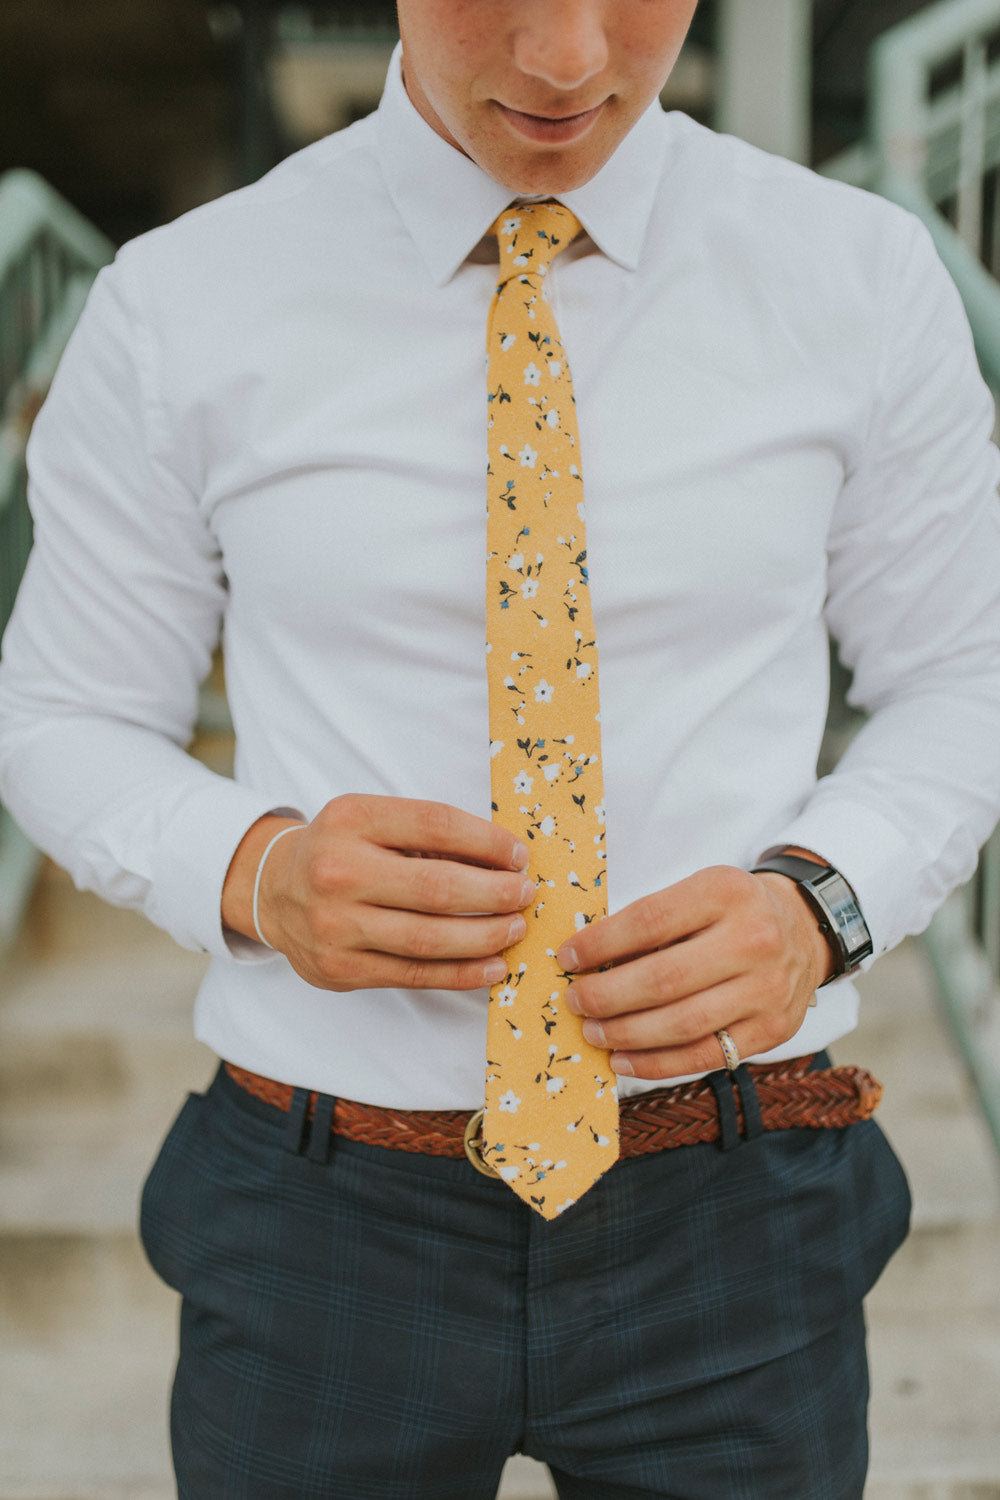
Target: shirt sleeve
point(112, 633)
point(914, 603)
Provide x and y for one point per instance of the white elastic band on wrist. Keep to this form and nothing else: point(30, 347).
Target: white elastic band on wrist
point(292, 828)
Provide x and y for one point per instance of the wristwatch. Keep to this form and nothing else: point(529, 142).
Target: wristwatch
point(841, 920)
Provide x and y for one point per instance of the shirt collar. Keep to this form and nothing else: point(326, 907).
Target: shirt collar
point(448, 203)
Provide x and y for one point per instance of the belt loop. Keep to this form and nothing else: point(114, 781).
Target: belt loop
point(728, 1123)
point(753, 1124)
point(295, 1127)
point(321, 1132)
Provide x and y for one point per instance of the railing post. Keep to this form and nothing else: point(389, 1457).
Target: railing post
point(49, 256)
point(972, 150)
point(765, 59)
point(896, 112)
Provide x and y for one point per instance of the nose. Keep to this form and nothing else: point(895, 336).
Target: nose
point(563, 42)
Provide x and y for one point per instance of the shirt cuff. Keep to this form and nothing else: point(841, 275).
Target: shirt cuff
point(873, 857)
point(193, 858)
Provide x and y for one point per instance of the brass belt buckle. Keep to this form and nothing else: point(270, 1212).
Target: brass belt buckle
point(474, 1145)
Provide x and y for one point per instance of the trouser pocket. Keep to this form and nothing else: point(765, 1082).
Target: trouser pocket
point(163, 1226)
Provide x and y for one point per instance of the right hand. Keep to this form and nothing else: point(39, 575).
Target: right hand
point(384, 892)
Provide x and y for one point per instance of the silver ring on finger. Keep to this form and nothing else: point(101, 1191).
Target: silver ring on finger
point(730, 1051)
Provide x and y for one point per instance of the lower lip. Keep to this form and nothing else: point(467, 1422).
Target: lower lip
point(551, 132)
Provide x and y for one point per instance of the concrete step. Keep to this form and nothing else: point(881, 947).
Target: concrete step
point(95, 1056)
point(929, 1110)
point(934, 1337)
point(94, 1063)
point(932, 1489)
point(934, 1317)
point(86, 1348)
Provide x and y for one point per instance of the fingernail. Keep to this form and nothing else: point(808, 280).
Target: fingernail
point(594, 1032)
point(527, 892)
point(494, 971)
point(567, 958)
point(572, 1002)
point(519, 859)
point(517, 929)
point(622, 1065)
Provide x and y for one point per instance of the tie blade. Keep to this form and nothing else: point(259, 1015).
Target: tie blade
point(550, 1127)
point(551, 1123)
point(550, 1183)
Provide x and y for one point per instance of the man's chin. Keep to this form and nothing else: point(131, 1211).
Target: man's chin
point(497, 143)
point(531, 172)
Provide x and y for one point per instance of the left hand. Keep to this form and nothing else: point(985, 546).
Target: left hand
point(722, 948)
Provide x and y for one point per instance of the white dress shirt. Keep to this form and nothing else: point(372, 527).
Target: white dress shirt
point(271, 418)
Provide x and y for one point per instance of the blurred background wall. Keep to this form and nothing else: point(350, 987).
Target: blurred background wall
point(136, 110)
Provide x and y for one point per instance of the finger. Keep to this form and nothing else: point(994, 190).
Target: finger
point(653, 922)
point(703, 1056)
point(442, 886)
point(429, 827)
point(753, 1035)
point(664, 978)
point(370, 970)
point(407, 935)
point(681, 1024)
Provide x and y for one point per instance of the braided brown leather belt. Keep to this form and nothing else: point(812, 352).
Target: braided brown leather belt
point(790, 1095)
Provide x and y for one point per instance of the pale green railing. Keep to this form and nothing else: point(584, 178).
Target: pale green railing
point(934, 146)
point(49, 256)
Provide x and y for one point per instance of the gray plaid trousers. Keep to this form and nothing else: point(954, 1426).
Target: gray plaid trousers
point(360, 1324)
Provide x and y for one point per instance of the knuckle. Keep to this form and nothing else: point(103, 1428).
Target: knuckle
point(762, 939)
point(338, 943)
point(437, 821)
point(344, 810)
point(668, 974)
point(328, 873)
point(425, 941)
point(694, 1022)
point(343, 973)
point(648, 917)
point(729, 884)
point(417, 974)
point(435, 883)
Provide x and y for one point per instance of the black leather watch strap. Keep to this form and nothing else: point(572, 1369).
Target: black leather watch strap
point(792, 865)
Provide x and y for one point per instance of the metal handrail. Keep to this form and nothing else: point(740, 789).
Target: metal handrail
point(934, 150)
point(49, 256)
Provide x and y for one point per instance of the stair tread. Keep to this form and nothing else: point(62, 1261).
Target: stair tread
point(95, 1056)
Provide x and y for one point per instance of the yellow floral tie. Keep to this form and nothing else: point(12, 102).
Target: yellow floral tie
point(551, 1122)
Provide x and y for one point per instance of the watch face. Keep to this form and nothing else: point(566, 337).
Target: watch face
point(845, 912)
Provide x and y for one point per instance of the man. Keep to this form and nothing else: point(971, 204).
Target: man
point(272, 414)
